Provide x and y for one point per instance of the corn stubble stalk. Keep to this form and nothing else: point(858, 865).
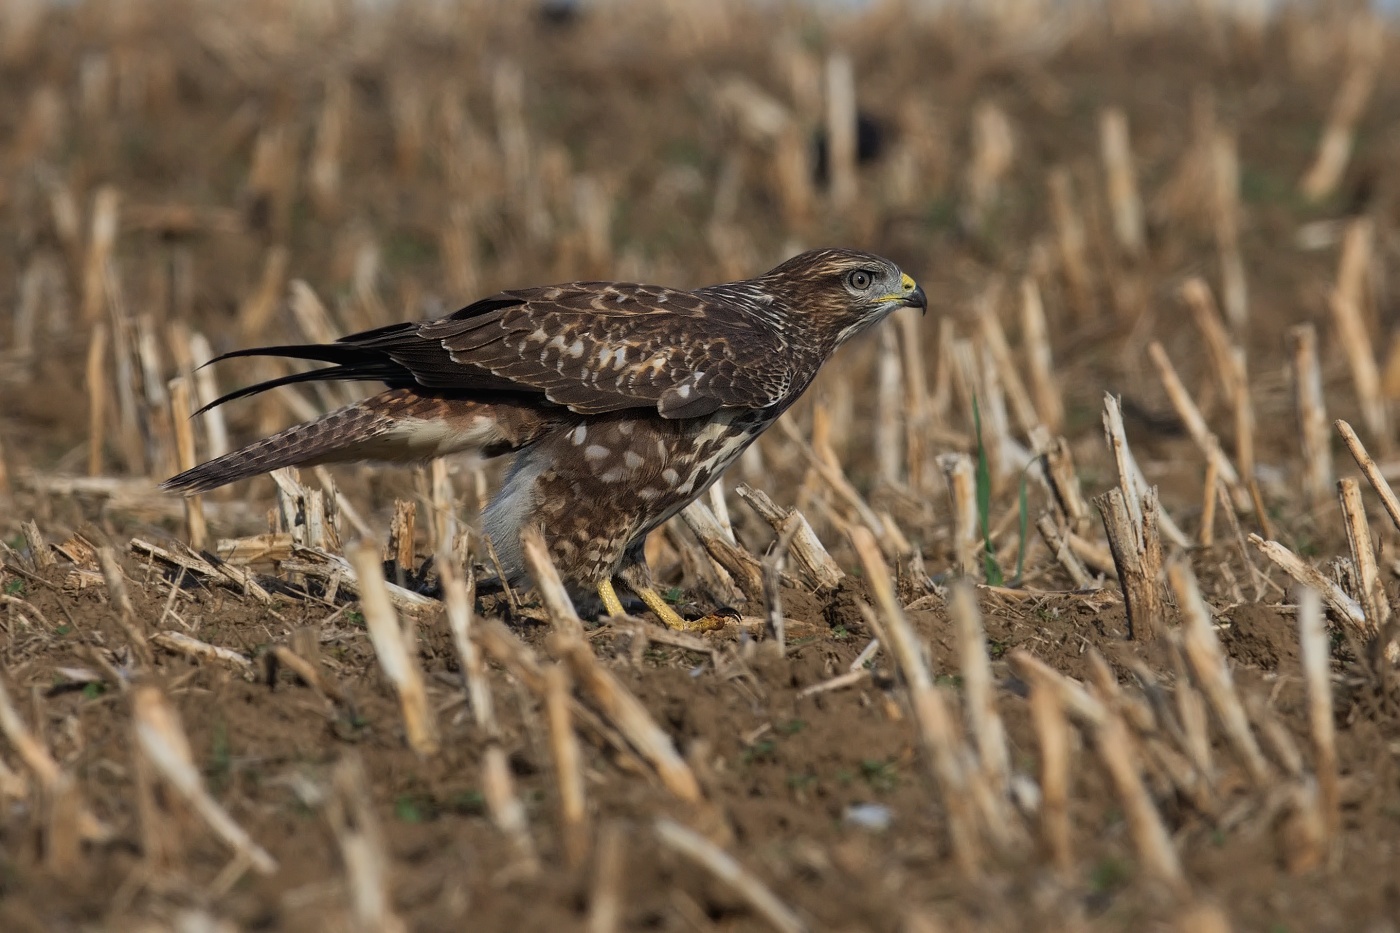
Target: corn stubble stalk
point(163, 746)
point(621, 708)
point(1334, 149)
point(1212, 673)
point(1073, 243)
point(1049, 403)
point(993, 152)
point(257, 309)
point(1124, 200)
point(1374, 603)
point(737, 563)
point(983, 721)
point(568, 767)
point(605, 902)
point(1136, 544)
point(943, 748)
point(811, 556)
point(725, 869)
point(1131, 481)
point(458, 597)
point(773, 563)
point(1346, 302)
point(96, 383)
point(1206, 316)
point(1310, 409)
point(1316, 657)
point(180, 643)
point(350, 812)
point(1293, 565)
point(1060, 549)
point(1370, 470)
point(549, 584)
point(121, 600)
point(889, 427)
point(1225, 165)
point(507, 811)
point(395, 648)
point(959, 472)
point(1052, 735)
point(67, 820)
point(180, 412)
point(402, 530)
point(1118, 751)
point(1191, 416)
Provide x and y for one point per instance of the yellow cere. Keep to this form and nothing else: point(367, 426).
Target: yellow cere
point(906, 284)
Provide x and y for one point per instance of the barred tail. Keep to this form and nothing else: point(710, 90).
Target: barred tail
point(347, 433)
point(397, 425)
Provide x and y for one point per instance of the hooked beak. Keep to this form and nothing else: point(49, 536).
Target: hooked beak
point(917, 299)
point(910, 295)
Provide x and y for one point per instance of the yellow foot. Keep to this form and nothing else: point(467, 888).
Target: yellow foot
point(673, 619)
point(611, 604)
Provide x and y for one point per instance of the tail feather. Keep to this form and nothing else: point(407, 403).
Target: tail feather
point(341, 435)
point(397, 425)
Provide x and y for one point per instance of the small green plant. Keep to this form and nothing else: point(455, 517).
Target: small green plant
point(93, 689)
point(1109, 874)
point(801, 782)
point(881, 775)
point(673, 595)
point(410, 808)
point(759, 752)
point(468, 803)
point(991, 568)
point(355, 618)
point(14, 587)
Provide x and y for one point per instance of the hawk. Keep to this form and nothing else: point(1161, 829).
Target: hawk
point(622, 402)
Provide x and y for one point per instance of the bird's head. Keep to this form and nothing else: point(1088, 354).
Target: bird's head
point(837, 293)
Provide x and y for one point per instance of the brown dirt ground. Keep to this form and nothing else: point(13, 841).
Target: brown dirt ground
point(780, 772)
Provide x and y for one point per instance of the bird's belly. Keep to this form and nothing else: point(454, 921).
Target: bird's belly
point(612, 481)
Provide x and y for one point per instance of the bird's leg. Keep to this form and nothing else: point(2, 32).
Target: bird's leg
point(611, 604)
point(669, 617)
point(637, 576)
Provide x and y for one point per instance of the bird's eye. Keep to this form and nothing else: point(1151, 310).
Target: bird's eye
point(859, 280)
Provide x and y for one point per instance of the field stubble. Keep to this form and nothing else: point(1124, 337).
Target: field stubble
point(1067, 607)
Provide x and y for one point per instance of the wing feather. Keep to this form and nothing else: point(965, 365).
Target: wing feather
point(591, 347)
point(600, 347)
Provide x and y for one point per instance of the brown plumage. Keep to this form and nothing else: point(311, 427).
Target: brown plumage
point(624, 402)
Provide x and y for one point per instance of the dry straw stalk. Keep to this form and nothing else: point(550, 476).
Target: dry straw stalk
point(162, 742)
point(1137, 554)
point(395, 648)
point(729, 872)
point(630, 717)
point(1317, 674)
point(1212, 673)
point(943, 747)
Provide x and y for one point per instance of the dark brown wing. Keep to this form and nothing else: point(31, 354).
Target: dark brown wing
point(598, 347)
point(591, 347)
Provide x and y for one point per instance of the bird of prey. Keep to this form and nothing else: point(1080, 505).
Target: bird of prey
point(622, 402)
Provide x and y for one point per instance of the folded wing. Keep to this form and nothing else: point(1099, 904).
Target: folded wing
point(588, 347)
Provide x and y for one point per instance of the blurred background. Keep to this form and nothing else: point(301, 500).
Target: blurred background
point(183, 178)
